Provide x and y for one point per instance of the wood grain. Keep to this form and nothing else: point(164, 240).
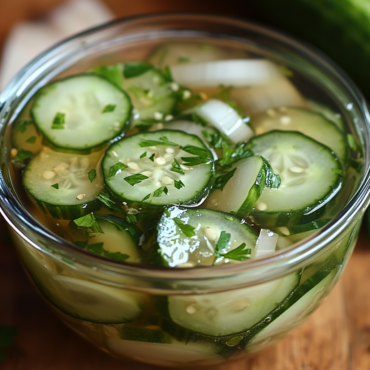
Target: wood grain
point(335, 337)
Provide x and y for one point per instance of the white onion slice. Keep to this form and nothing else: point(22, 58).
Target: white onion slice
point(279, 92)
point(225, 119)
point(266, 243)
point(239, 72)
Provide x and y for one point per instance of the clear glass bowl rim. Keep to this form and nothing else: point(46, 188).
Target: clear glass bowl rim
point(276, 265)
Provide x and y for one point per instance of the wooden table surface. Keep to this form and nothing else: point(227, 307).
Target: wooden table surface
point(335, 337)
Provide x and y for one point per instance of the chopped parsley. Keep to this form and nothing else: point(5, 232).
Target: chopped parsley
point(98, 248)
point(58, 121)
point(109, 108)
point(118, 167)
point(202, 156)
point(135, 179)
point(146, 197)
point(89, 221)
point(167, 213)
point(176, 167)
point(351, 142)
point(216, 139)
point(111, 73)
point(23, 155)
point(273, 180)
point(143, 155)
point(232, 154)
point(31, 140)
point(152, 157)
point(92, 175)
point(135, 69)
point(179, 184)
point(162, 141)
point(117, 256)
point(222, 243)
point(337, 171)
point(222, 180)
point(225, 96)
point(167, 74)
point(55, 186)
point(157, 193)
point(22, 126)
point(187, 229)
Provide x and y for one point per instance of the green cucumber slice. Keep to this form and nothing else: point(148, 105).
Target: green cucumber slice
point(167, 354)
point(81, 112)
point(188, 238)
point(26, 137)
point(310, 123)
point(118, 239)
point(152, 167)
point(59, 183)
point(293, 311)
point(230, 312)
point(241, 192)
point(151, 94)
point(310, 177)
point(190, 52)
point(94, 302)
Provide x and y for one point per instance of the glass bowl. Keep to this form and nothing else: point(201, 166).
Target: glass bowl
point(133, 321)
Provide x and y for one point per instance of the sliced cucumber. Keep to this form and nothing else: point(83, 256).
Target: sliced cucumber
point(152, 166)
point(328, 113)
point(293, 311)
point(59, 183)
point(225, 119)
point(277, 93)
point(151, 94)
point(241, 192)
point(94, 302)
point(230, 312)
point(167, 354)
point(81, 112)
point(310, 177)
point(190, 52)
point(188, 238)
point(118, 240)
point(307, 122)
point(26, 137)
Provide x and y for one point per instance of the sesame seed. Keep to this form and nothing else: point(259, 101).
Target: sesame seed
point(261, 206)
point(167, 180)
point(271, 112)
point(174, 86)
point(284, 230)
point(191, 309)
point(211, 234)
point(158, 115)
point(186, 94)
point(296, 169)
point(153, 148)
point(203, 95)
point(114, 153)
point(124, 203)
point(13, 153)
point(168, 117)
point(48, 175)
point(156, 79)
point(80, 196)
point(285, 120)
point(160, 161)
point(147, 173)
point(185, 168)
point(170, 150)
point(133, 165)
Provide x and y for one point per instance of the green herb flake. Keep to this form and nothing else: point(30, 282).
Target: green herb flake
point(167, 74)
point(80, 244)
point(152, 157)
point(96, 248)
point(222, 243)
point(109, 108)
point(176, 167)
point(183, 59)
point(22, 125)
point(117, 256)
point(131, 70)
point(89, 221)
point(232, 154)
point(202, 156)
point(239, 253)
point(118, 167)
point(143, 155)
point(351, 142)
point(92, 175)
point(58, 121)
point(111, 73)
point(157, 193)
point(105, 198)
point(55, 186)
point(146, 197)
point(179, 184)
point(31, 140)
point(222, 180)
point(187, 229)
point(273, 180)
point(167, 213)
point(22, 155)
point(135, 179)
point(337, 171)
point(229, 218)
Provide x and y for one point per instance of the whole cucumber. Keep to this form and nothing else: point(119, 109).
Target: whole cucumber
point(340, 28)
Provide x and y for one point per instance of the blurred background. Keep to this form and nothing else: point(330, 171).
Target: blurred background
point(338, 335)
